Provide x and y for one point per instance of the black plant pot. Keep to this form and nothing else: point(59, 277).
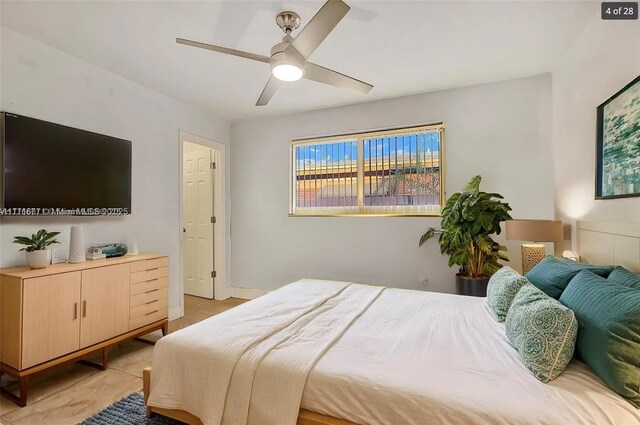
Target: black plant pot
point(473, 287)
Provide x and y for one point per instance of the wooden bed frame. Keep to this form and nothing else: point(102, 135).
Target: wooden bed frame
point(305, 417)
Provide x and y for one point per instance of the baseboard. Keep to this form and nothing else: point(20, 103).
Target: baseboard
point(175, 313)
point(246, 293)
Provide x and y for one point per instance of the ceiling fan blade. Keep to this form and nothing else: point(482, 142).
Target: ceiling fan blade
point(327, 76)
point(320, 26)
point(269, 90)
point(221, 49)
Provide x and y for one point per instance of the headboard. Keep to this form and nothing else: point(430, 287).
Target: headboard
point(601, 242)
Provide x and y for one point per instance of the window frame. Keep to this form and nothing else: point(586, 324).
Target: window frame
point(360, 137)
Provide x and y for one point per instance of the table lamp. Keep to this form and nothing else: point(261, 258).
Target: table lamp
point(534, 231)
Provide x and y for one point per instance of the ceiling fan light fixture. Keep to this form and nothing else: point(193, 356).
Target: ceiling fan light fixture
point(287, 72)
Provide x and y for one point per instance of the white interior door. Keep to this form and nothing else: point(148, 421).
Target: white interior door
point(198, 220)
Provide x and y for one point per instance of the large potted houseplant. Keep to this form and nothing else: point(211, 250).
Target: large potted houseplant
point(469, 218)
point(36, 248)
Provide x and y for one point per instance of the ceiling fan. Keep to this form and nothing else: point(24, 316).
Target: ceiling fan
point(288, 59)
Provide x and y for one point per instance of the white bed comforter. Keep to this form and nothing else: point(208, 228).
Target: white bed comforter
point(371, 356)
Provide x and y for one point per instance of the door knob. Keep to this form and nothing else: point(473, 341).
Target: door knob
point(184, 229)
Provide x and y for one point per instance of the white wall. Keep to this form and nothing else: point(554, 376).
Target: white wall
point(604, 58)
point(44, 83)
point(499, 130)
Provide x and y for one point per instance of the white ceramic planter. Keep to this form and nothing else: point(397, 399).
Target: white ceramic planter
point(38, 259)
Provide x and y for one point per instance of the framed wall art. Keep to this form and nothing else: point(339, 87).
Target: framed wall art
point(618, 144)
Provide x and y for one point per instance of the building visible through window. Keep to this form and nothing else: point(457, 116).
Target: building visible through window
point(394, 172)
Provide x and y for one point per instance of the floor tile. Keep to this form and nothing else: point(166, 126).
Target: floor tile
point(6, 406)
point(190, 300)
point(218, 306)
point(43, 385)
point(77, 402)
point(131, 357)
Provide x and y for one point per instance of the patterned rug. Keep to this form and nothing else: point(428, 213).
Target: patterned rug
point(128, 411)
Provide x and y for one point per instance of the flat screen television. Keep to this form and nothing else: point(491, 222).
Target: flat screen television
point(48, 168)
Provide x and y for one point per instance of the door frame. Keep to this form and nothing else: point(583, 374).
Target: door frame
point(219, 211)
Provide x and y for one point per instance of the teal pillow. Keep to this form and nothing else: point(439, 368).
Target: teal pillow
point(625, 277)
point(543, 331)
point(551, 275)
point(609, 334)
point(502, 289)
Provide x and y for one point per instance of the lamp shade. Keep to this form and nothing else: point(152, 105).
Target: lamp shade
point(535, 230)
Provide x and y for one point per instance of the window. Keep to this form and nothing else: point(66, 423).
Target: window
point(391, 172)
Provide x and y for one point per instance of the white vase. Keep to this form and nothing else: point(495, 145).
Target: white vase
point(76, 245)
point(38, 259)
point(132, 248)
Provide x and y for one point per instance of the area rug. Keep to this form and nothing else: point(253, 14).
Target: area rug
point(128, 411)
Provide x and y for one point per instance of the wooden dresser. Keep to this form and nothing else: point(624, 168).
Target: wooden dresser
point(65, 312)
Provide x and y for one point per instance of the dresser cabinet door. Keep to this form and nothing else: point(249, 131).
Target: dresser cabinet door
point(51, 317)
point(105, 303)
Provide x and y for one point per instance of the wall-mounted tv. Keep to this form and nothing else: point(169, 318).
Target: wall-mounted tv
point(52, 169)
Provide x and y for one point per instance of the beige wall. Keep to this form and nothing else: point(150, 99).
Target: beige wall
point(499, 130)
point(604, 58)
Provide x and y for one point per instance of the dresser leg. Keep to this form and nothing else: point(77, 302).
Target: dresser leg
point(105, 358)
point(165, 328)
point(23, 384)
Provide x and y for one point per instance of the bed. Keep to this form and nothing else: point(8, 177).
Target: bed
point(324, 352)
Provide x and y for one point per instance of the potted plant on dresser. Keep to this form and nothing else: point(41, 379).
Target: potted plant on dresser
point(469, 218)
point(36, 249)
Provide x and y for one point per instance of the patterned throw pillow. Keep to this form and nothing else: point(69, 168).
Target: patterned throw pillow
point(502, 289)
point(543, 331)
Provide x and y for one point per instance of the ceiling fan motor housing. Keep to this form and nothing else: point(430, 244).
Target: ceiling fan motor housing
point(281, 56)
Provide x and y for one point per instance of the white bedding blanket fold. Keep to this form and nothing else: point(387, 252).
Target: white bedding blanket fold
point(268, 382)
point(222, 370)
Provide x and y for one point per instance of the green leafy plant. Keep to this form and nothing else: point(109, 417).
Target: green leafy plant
point(38, 241)
point(468, 220)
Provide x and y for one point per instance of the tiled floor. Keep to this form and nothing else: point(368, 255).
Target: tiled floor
point(72, 393)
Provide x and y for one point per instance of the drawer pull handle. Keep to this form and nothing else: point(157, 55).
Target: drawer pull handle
point(84, 308)
point(153, 290)
point(151, 302)
point(152, 280)
point(75, 311)
point(154, 311)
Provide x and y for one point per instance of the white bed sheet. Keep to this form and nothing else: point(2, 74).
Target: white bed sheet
point(419, 358)
point(397, 357)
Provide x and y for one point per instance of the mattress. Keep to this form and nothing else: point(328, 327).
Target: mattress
point(420, 358)
point(372, 356)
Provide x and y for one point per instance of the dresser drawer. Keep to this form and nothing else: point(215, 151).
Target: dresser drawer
point(150, 285)
point(148, 308)
point(148, 296)
point(139, 266)
point(150, 317)
point(146, 275)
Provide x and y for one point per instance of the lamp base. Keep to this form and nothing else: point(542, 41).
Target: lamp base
point(532, 254)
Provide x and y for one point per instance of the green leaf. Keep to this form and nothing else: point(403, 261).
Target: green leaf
point(427, 235)
point(473, 185)
point(22, 240)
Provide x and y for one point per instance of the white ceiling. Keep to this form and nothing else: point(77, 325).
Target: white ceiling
point(399, 47)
